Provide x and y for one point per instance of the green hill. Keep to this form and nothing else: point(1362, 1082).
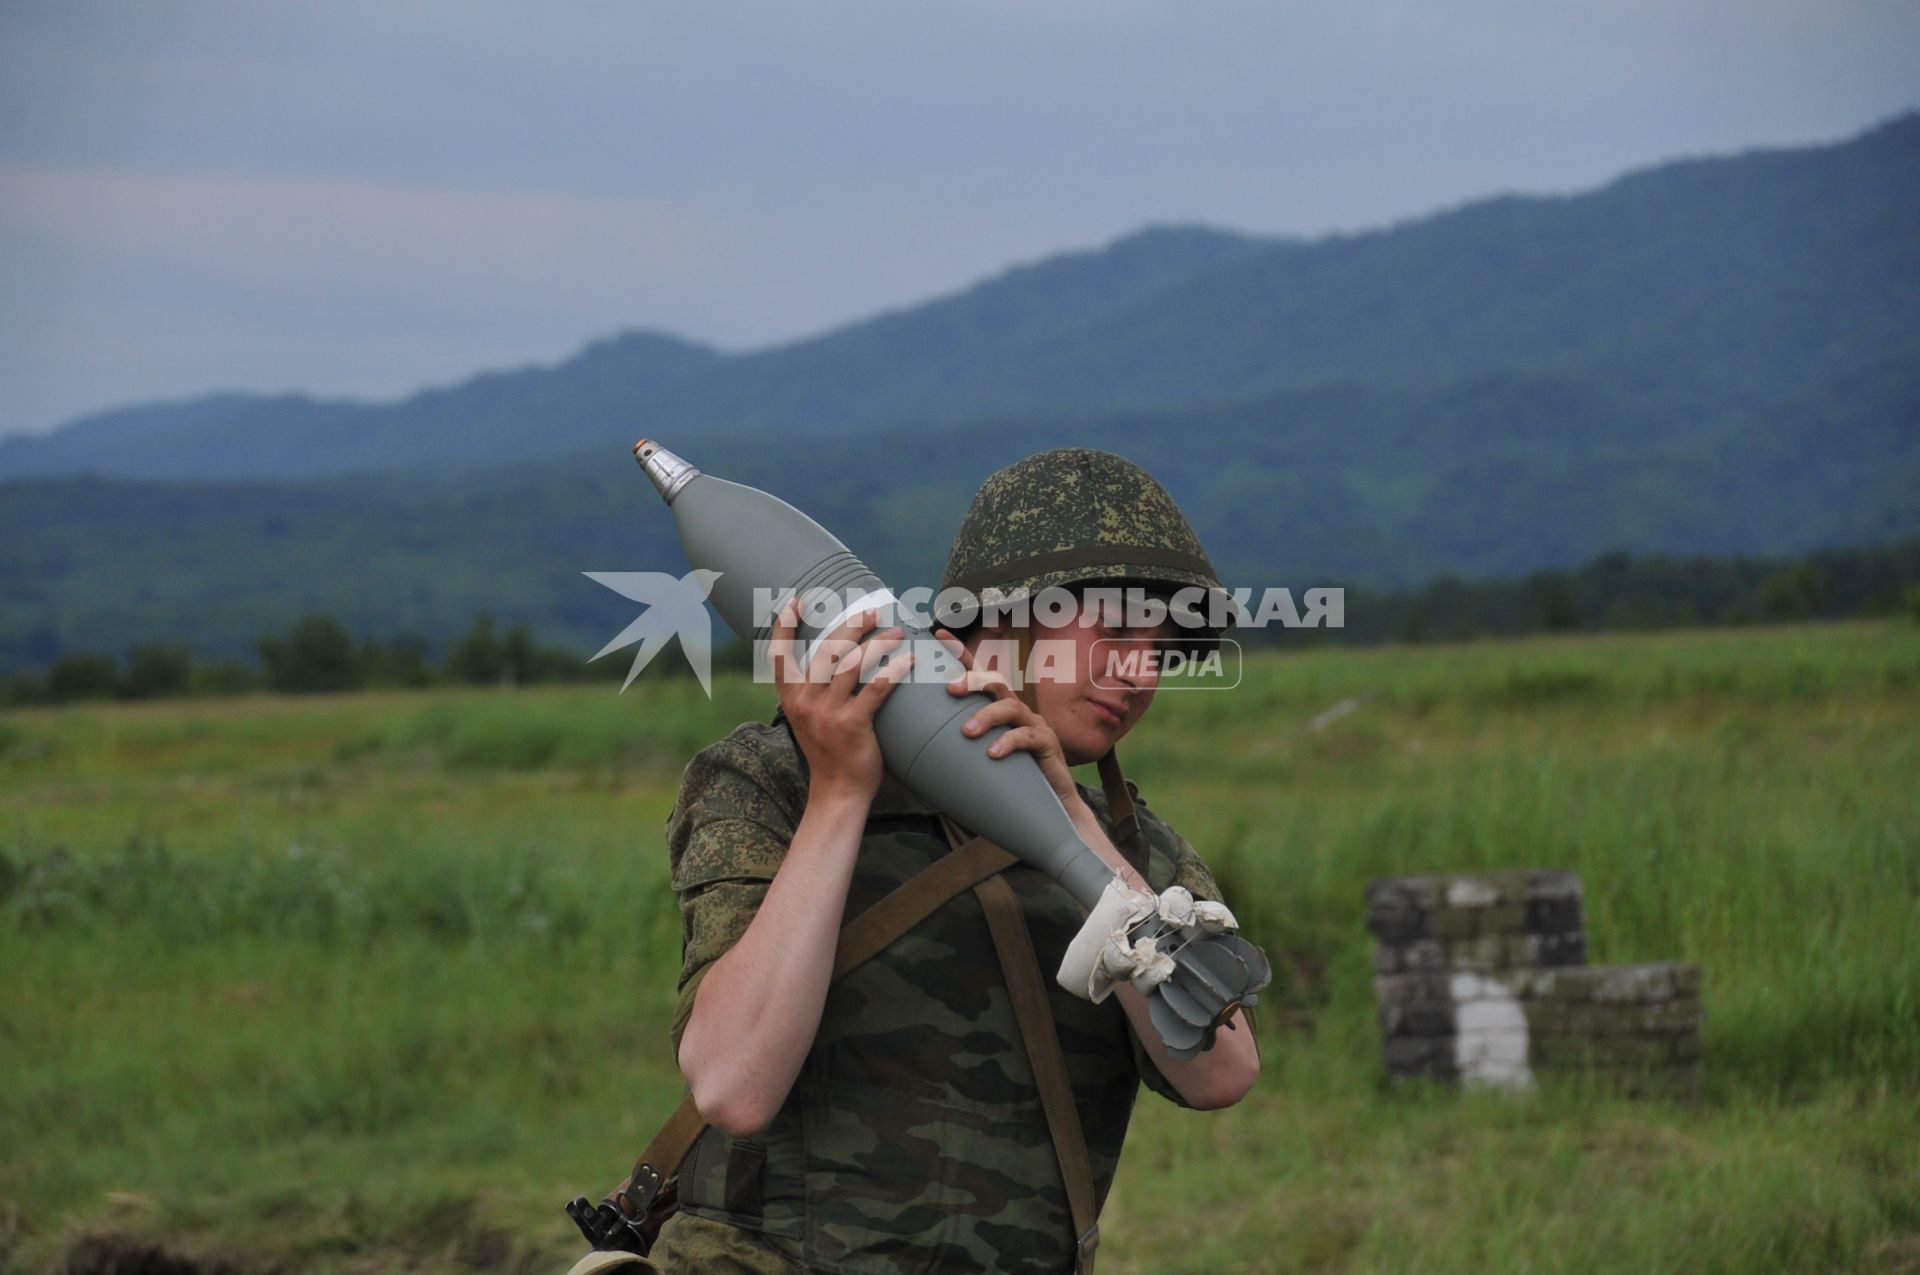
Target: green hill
point(1335, 486)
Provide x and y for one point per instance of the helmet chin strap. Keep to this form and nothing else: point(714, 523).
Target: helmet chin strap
point(1120, 808)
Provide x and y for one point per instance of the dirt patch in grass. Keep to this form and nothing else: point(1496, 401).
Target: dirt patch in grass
point(107, 1253)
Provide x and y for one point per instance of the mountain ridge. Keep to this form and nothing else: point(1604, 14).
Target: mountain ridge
point(1181, 313)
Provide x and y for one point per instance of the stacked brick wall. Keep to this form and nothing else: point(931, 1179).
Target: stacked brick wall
point(1482, 978)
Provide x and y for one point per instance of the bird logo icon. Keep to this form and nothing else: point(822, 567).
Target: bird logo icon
point(675, 607)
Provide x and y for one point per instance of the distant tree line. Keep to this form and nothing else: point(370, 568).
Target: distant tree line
point(1615, 592)
point(316, 654)
point(1623, 592)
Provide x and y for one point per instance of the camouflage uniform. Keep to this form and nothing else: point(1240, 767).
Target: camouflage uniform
point(913, 1140)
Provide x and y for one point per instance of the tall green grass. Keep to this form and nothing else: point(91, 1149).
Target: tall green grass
point(353, 982)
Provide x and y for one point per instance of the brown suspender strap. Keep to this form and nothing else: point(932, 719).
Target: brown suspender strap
point(661, 1159)
point(917, 899)
point(908, 904)
point(1120, 808)
point(1021, 969)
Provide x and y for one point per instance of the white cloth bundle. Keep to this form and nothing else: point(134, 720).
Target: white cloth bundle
point(1102, 955)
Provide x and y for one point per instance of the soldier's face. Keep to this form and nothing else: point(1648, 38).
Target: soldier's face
point(1092, 680)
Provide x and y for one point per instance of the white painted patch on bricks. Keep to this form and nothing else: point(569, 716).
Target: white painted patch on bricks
point(1465, 892)
point(1490, 1034)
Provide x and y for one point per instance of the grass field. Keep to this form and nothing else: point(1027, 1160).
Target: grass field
point(378, 981)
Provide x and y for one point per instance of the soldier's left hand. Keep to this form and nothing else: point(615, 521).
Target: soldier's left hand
point(1027, 731)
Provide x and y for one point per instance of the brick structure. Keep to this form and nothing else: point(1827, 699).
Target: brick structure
point(1482, 978)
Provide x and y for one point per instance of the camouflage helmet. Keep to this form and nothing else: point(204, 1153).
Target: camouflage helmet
point(1068, 517)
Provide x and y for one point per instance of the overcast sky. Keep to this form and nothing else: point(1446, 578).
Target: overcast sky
point(361, 198)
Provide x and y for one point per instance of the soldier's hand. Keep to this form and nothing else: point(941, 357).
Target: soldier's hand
point(830, 700)
point(1027, 731)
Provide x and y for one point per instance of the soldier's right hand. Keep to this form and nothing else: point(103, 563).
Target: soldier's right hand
point(830, 700)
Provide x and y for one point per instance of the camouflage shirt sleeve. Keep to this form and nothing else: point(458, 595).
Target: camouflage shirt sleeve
point(740, 801)
point(1171, 860)
point(1189, 870)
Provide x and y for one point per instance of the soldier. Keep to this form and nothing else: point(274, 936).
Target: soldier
point(890, 1122)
